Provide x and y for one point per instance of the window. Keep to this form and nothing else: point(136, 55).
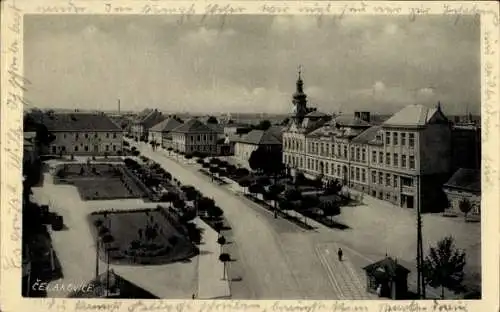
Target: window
point(332, 150)
point(363, 155)
point(374, 157)
point(301, 162)
point(388, 196)
point(380, 157)
point(395, 138)
point(86, 148)
point(357, 154)
point(76, 136)
point(107, 148)
point(114, 135)
point(403, 139)
point(387, 138)
point(338, 170)
point(387, 179)
point(326, 168)
point(380, 178)
point(352, 153)
point(403, 161)
point(322, 148)
point(395, 160)
point(198, 138)
point(64, 135)
point(405, 181)
point(114, 148)
point(387, 158)
point(63, 148)
point(412, 162)
point(352, 174)
point(332, 169)
point(338, 150)
point(316, 165)
point(357, 174)
point(96, 135)
point(345, 151)
point(395, 180)
point(86, 135)
point(76, 148)
point(308, 163)
point(107, 135)
point(411, 139)
point(363, 175)
point(374, 177)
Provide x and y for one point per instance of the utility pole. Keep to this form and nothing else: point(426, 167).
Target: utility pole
point(97, 257)
point(420, 251)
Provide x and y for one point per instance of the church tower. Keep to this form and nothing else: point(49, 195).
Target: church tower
point(299, 100)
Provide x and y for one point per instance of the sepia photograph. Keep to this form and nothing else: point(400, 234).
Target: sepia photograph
point(278, 157)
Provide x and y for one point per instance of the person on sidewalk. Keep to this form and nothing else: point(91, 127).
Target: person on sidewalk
point(340, 254)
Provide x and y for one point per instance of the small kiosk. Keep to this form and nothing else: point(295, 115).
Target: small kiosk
point(387, 278)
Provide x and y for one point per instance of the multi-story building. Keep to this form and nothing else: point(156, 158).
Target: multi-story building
point(194, 136)
point(145, 120)
point(466, 145)
point(332, 154)
point(83, 134)
point(161, 132)
point(247, 143)
point(413, 159)
point(303, 121)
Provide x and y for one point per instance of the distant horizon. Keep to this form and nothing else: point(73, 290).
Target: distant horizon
point(372, 63)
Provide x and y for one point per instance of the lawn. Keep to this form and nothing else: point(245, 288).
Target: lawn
point(99, 181)
point(143, 236)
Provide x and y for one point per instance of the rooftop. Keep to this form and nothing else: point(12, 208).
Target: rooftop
point(387, 266)
point(193, 125)
point(465, 179)
point(259, 137)
point(415, 115)
point(79, 122)
point(166, 125)
point(368, 136)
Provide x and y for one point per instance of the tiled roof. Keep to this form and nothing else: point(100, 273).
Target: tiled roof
point(216, 127)
point(153, 118)
point(259, 137)
point(349, 121)
point(388, 267)
point(166, 125)
point(367, 136)
point(79, 122)
point(277, 131)
point(465, 179)
point(412, 115)
point(193, 125)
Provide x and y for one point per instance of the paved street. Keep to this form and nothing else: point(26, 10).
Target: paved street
point(276, 265)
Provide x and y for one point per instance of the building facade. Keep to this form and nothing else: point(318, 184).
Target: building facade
point(83, 134)
point(194, 136)
point(464, 185)
point(161, 132)
point(145, 120)
point(248, 143)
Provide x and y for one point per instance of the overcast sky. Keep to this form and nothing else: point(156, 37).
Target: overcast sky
point(249, 64)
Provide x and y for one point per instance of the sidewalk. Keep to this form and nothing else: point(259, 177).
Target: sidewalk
point(210, 269)
point(345, 276)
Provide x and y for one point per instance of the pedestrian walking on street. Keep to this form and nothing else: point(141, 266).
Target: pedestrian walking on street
point(340, 253)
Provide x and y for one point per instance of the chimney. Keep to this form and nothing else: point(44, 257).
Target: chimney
point(365, 116)
point(118, 106)
point(357, 115)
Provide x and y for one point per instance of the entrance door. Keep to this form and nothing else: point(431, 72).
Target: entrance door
point(409, 202)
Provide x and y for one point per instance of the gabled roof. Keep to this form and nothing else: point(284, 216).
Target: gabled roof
point(368, 136)
point(277, 131)
point(151, 119)
point(465, 179)
point(386, 267)
point(166, 125)
point(415, 115)
point(79, 122)
point(259, 137)
point(193, 125)
point(349, 121)
point(216, 127)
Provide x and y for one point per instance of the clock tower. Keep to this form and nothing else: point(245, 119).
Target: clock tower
point(299, 100)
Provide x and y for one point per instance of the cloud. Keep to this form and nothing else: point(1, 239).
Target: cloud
point(251, 63)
